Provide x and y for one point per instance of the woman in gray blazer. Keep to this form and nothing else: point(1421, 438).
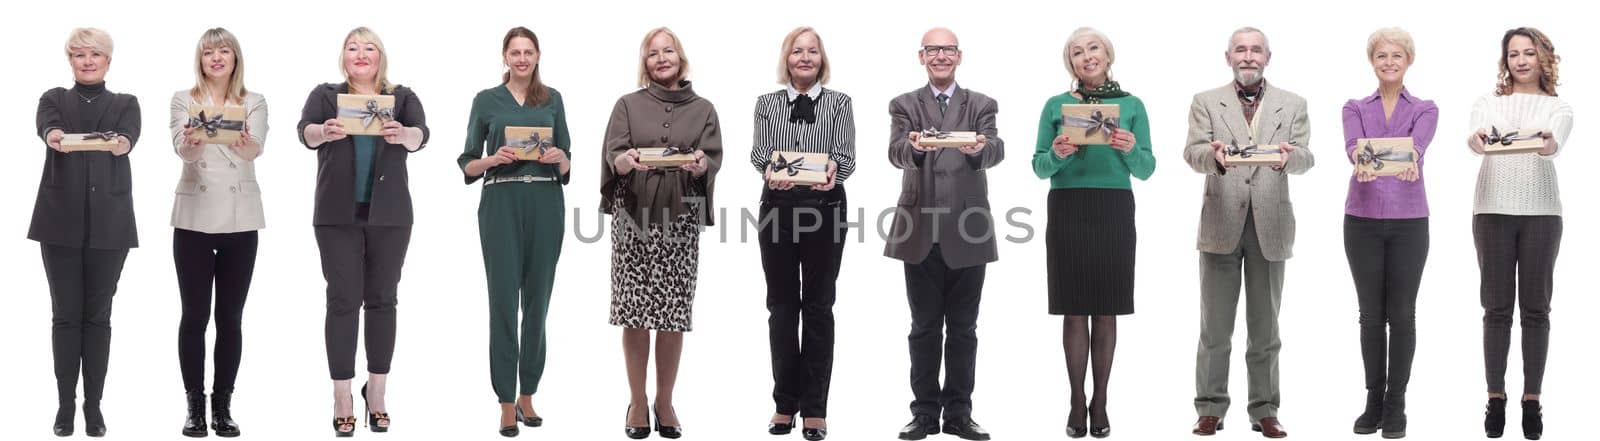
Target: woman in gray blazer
point(362, 220)
point(215, 214)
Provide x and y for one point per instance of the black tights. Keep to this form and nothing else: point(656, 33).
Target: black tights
point(1078, 341)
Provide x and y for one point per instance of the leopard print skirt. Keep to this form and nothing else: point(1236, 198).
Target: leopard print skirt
point(653, 272)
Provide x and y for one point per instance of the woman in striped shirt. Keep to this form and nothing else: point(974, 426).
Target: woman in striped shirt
point(804, 117)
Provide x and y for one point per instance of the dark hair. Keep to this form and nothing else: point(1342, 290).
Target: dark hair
point(1546, 57)
point(536, 94)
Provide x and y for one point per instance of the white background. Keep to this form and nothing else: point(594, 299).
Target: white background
point(448, 51)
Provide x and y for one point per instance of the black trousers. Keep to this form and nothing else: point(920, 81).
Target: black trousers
point(362, 266)
point(1516, 266)
point(82, 283)
point(1386, 260)
point(800, 253)
point(226, 261)
point(944, 324)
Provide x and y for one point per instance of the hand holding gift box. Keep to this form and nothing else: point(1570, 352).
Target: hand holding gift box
point(1376, 157)
point(666, 156)
point(1090, 124)
point(798, 168)
point(944, 139)
point(529, 142)
point(217, 125)
point(1256, 155)
point(89, 142)
point(365, 114)
point(1514, 141)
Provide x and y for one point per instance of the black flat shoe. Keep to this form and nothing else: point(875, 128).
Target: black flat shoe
point(340, 422)
point(920, 427)
point(194, 423)
point(632, 431)
point(668, 432)
point(64, 416)
point(1532, 419)
point(1494, 418)
point(94, 423)
point(376, 421)
point(222, 415)
point(526, 421)
point(1100, 432)
point(814, 434)
point(782, 428)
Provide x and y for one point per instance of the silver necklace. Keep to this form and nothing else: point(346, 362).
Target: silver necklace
point(89, 100)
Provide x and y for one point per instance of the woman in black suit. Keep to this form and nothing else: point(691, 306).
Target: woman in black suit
point(83, 221)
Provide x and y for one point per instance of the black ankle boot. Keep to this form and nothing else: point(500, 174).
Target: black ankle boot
point(1394, 416)
point(1494, 417)
point(64, 416)
point(222, 416)
point(194, 425)
point(1372, 417)
point(1532, 419)
point(94, 423)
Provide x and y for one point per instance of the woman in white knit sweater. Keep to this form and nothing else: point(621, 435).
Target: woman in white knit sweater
point(1517, 217)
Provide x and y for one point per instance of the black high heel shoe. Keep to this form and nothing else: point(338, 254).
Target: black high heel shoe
point(1103, 430)
point(668, 432)
point(94, 423)
point(1077, 427)
point(534, 421)
point(635, 432)
point(376, 421)
point(1494, 417)
point(815, 433)
point(513, 430)
point(1532, 419)
point(339, 422)
point(222, 415)
point(782, 428)
point(64, 416)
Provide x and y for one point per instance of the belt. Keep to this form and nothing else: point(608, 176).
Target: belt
point(523, 179)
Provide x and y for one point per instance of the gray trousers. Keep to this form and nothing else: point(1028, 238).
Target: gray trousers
point(1219, 302)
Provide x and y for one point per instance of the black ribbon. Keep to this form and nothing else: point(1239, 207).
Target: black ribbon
point(1495, 137)
point(804, 110)
point(782, 164)
point(531, 143)
point(214, 124)
point(1248, 151)
point(1095, 122)
point(1376, 158)
point(368, 114)
point(935, 134)
point(678, 150)
point(100, 136)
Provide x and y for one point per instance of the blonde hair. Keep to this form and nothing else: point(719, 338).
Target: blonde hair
point(644, 54)
point(364, 35)
point(1395, 36)
point(1549, 62)
point(1081, 33)
point(89, 38)
point(217, 38)
point(788, 46)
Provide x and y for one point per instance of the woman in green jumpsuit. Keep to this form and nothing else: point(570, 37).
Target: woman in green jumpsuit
point(520, 219)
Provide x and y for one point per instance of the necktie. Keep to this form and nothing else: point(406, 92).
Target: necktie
point(944, 102)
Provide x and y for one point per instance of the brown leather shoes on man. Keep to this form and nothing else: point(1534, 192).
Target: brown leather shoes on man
point(1207, 426)
point(1270, 428)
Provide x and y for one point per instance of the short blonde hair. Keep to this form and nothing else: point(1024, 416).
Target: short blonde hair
point(89, 38)
point(217, 38)
point(1395, 36)
point(788, 46)
point(644, 54)
point(364, 35)
point(1087, 32)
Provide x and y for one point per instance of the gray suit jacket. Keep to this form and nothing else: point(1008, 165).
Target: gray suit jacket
point(1231, 193)
point(938, 187)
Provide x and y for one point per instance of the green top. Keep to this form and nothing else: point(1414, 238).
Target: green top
point(1094, 166)
point(366, 155)
point(492, 111)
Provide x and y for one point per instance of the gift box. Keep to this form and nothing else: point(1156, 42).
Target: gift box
point(943, 139)
point(365, 114)
point(530, 142)
point(1514, 141)
point(1090, 124)
point(666, 156)
point(799, 168)
point(1252, 155)
point(88, 142)
point(217, 124)
point(1385, 156)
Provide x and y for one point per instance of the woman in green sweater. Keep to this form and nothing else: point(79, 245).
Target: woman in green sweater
point(520, 219)
point(1089, 240)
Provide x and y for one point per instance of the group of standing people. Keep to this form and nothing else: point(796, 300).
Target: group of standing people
point(83, 219)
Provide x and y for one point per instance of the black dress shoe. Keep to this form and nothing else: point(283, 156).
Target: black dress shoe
point(1076, 432)
point(811, 434)
point(635, 432)
point(64, 416)
point(194, 423)
point(534, 421)
point(668, 432)
point(222, 415)
point(94, 423)
point(920, 427)
point(1494, 417)
point(1099, 432)
point(966, 428)
point(782, 428)
point(1532, 419)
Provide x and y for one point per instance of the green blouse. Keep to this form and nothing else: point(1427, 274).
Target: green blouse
point(492, 111)
point(1094, 166)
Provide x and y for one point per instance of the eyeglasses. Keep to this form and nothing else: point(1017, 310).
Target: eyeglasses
point(936, 50)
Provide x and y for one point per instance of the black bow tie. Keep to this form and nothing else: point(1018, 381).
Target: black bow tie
point(804, 110)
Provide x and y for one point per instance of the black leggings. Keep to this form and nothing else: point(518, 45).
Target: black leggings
point(228, 260)
point(1386, 258)
point(82, 282)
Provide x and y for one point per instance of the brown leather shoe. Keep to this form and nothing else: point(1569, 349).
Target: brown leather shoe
point(1270, 428)
point(1207, 426)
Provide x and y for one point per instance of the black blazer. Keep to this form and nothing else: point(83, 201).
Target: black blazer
point(85, 198)
point(336, 162)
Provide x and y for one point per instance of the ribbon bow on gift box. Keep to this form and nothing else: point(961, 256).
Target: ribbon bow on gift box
point(213, 124)
point(1495, 137)
point(531, 143)
point(101, 136)
point(678, 150)
point(1376, 158)
point(368, 114)
point(1096, 122)
point(1248, 151)
point(784, 165)
point(935, 134)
